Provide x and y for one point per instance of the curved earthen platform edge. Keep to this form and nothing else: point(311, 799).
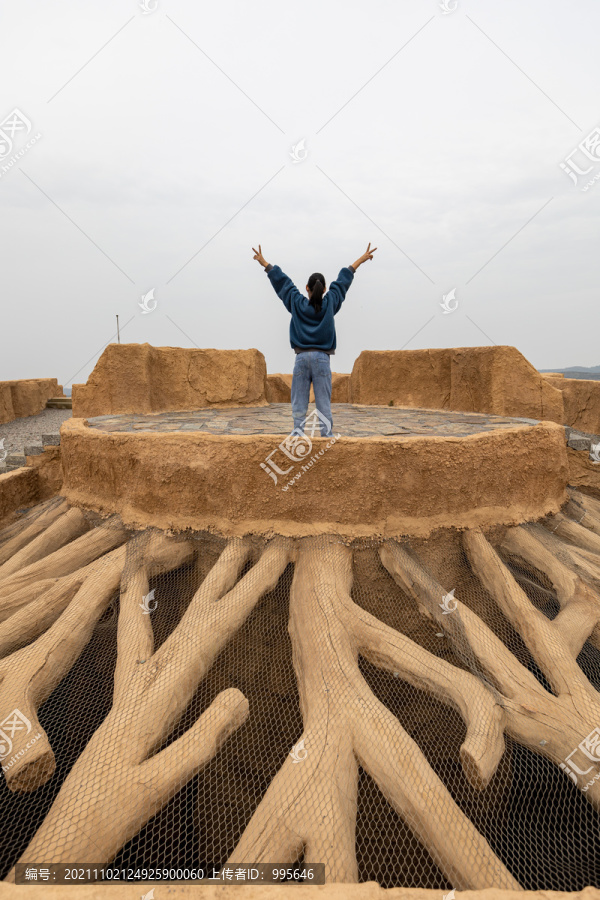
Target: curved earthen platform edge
point(366, 891)
point(356, 487)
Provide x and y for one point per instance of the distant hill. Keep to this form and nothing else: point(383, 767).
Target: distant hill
point(592, 373)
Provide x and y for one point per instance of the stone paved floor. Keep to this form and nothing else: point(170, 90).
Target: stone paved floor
point(348, 419)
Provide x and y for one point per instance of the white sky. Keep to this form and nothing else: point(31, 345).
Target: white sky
point(164, 159)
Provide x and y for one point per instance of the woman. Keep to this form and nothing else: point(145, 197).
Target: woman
point(312, 334)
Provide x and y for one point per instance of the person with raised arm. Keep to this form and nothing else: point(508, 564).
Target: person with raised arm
point(312, 334)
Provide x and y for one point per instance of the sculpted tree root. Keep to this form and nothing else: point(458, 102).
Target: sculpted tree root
point(552, 726)
point(68, 526)
point(22, 522)
point(579, 602)
point(29, 582)
point(582, 538)
point(580, 534)
point(311, 804)
point(16, 536)
point(31, 620)
point(588, 504)
point(584, 563)
point(122, 778)
point(28, 676)
point(117, 784)
point(582, 512)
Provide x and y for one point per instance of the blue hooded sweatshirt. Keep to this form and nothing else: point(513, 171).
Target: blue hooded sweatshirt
point(310, 330)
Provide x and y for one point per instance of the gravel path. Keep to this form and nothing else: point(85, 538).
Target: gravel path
point(29, 430)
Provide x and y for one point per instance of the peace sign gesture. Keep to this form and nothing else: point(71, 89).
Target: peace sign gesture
point(368, 254)
point(258, 255)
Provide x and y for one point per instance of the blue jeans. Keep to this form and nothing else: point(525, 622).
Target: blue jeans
point(312, 365)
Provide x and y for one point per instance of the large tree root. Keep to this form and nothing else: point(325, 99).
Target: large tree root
point(117, 783)
point(24, 585)
point(579, 617)
point(28, 676)
point(552, 726)
point(28, 528)
point(583, 562)
point(580, 511)
point(31, 620)
point(27, 518)
point(311, 803)
point(580, 534)
point(70, 525)
point(589, 504)
point(577, 534)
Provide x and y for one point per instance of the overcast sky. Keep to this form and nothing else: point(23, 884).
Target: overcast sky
point(159, 153)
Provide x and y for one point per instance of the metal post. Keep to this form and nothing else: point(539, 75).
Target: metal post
point(118, 335)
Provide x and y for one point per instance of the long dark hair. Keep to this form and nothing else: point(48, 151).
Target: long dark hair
point(316, 284)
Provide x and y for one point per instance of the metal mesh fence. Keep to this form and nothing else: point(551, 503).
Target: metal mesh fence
point(421, 714)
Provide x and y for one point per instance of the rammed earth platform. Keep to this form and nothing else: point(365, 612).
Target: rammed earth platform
point(390, 472)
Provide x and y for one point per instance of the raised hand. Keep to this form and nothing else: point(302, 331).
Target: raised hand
point(368, 254)
point(258, 256)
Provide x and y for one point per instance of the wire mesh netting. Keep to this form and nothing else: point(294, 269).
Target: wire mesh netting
point(420, 713)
